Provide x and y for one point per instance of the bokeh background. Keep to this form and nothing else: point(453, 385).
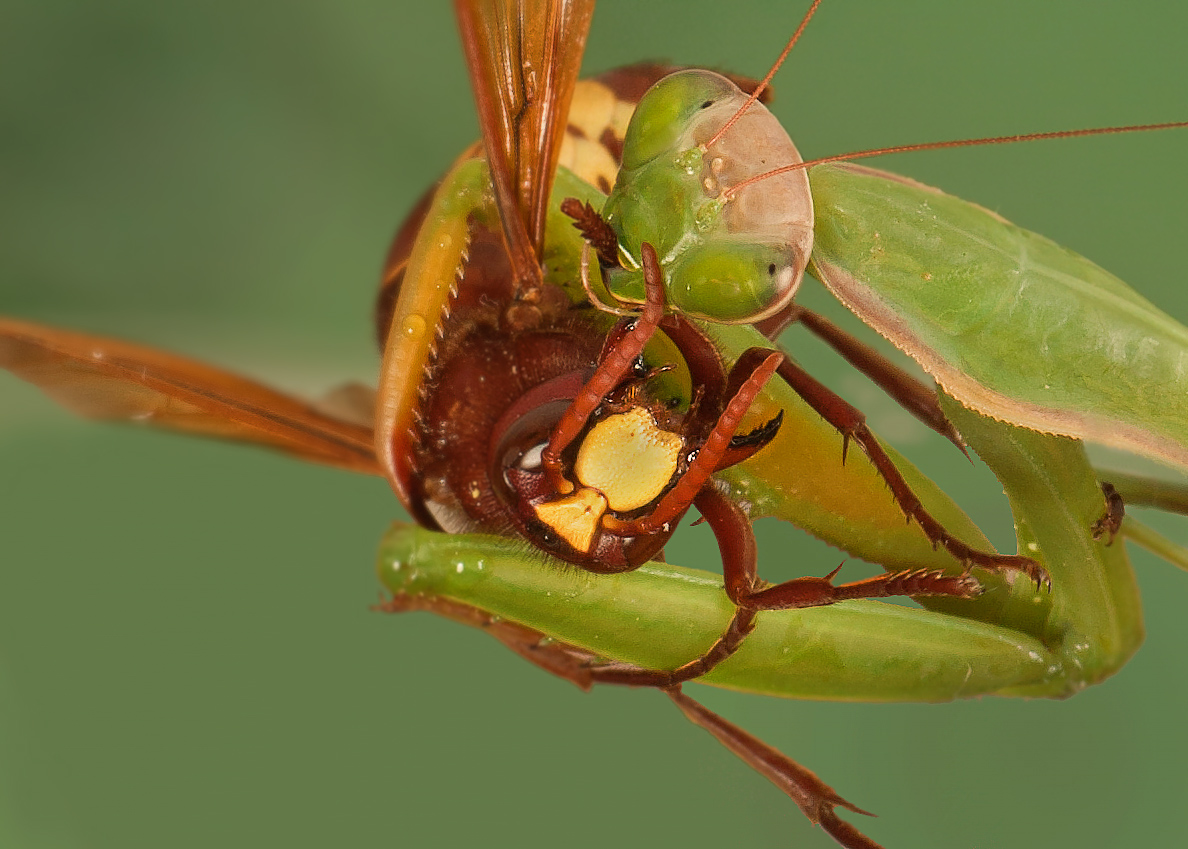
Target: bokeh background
point(187, 657)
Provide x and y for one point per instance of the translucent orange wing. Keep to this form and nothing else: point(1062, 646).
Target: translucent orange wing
point(523, 57)
point(108, 379)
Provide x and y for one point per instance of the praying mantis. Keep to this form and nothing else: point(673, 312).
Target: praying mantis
point(803, 722)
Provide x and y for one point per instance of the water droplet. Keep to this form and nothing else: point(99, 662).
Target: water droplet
point(413, 326)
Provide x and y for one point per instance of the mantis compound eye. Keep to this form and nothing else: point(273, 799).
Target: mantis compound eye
point(731, 282)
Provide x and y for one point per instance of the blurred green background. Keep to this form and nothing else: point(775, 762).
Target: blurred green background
point(187, 658)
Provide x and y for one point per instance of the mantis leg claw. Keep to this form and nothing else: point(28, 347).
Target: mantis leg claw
point(1111, 521)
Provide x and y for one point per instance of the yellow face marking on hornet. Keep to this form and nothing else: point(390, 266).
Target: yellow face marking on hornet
point(575, 517)
point(628, 458)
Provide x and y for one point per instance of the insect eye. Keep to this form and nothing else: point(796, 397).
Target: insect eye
point(531, 460)
point(771, 269)
point(518, 447)
point(707, 104)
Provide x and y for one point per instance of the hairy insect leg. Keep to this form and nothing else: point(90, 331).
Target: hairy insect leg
point(851, 423)
point(616, 362)
point(745, 588)
point(736, 542)
point(813, 796)
point(915, 396)
point(740, 567)
point(746, 380)
point(578, 666)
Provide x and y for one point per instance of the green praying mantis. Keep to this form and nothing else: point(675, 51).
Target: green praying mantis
point(479, 800)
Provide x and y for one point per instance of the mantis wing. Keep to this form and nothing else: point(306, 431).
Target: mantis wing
point(1008, 322)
